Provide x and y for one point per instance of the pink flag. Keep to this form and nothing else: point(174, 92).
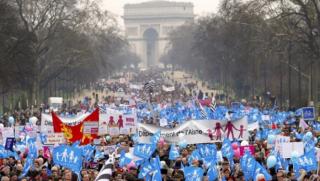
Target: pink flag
point(303, 124)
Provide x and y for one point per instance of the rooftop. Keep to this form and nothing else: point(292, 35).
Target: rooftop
point(158, 3)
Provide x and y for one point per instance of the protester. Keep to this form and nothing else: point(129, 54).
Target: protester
point(166, 104)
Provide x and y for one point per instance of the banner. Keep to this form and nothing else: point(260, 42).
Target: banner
point(75, 133)
point(168, 88)
point(47, 125)
point(194, 132)
point(116, 122)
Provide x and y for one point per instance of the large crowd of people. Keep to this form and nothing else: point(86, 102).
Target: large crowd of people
point(119, 92)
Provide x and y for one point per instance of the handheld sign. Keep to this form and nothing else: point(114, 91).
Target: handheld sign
point(308, 113)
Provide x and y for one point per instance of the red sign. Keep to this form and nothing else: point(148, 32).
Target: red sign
point(243, 149)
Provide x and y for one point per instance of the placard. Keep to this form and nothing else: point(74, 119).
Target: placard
point(286, 149)
point(280, 140)
point(9, 143)
point(6, 132)
point(308, 113)
point(90, 127)
point(54, 138)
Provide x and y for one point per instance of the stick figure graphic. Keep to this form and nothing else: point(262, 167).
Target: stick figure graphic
point(120, 122)
point(210, 134)
point(241, 131)
point(111, 121)
point(217, 131)
point(64, 155)
point(229, 128)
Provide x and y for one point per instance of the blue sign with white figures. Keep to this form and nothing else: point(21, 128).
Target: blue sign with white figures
point(308, 113)
point(69, 157)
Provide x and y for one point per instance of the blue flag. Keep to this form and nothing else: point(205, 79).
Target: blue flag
point(248, 164)
point(212, 173)
point(262, 170)
point(308, 162)
point(174, 152)
point(98, 155)
point(227, 150)
point(193, 173)
point(145, 169)
point(144, 150)
point(155, 138)
point(87, 151)
point(33, 152)
point(27, 167)
point(207, 150)
point(69, 157)
point(156, 174)
point(3, 152)
point(195, 155)
point(123, 159)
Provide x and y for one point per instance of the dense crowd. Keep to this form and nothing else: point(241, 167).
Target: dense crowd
point(43, 168)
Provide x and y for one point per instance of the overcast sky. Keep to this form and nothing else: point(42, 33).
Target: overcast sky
point(201, 7)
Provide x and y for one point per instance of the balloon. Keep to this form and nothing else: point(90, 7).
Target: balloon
point(131, 165)
point(271, 139)
point(271, 161)
point(33, 120)
point(183, 144)
point(237, 153)
point(294, 155)
point(235, 146)
point(309, 135)
point(11, 120)
point(108, 138)
point(244, 143)
point(161, 141)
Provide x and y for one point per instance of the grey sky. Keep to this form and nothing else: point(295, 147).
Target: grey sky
point(201, 7)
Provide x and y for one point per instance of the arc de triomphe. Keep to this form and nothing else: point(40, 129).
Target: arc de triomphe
point(147, 26)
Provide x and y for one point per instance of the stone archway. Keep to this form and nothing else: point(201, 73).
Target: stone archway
point(150, 37)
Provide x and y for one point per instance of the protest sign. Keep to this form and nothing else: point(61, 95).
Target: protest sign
point(249, 148)
point(308, 113)
point(90, 127)
point(54, 138)
point(280, 140)
point(6, 132)
point(194, 132)
point(9, 143)
point(286, 149)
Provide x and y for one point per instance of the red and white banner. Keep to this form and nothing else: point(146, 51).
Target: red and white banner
point(47, 125)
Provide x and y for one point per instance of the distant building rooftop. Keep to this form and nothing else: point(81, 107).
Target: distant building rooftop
point(158, 9)
point(158, 3)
